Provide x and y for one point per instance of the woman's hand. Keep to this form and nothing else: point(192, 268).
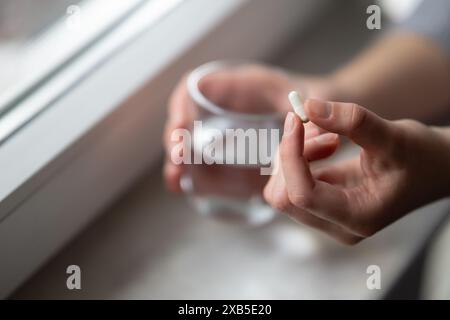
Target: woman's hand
point(402, 166)
point(245, 88)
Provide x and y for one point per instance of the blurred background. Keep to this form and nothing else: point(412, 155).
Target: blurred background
point(141, 241)
point(21, 24)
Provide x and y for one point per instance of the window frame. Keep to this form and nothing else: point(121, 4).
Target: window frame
point(58, 174)
point(59, 48)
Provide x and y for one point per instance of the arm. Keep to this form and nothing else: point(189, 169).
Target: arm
point(402, 75)
point(406, 73)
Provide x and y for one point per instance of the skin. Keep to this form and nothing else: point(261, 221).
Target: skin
point(400, 76)
point(354, 199)
point(388, 179)
point(248, 83)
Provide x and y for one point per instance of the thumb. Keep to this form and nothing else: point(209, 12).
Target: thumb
point(298, 177)
point(362, 126)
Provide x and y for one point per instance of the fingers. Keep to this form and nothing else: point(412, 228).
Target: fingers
point(276, 195)
point(172, 176)
point(318, 143)
point(179, 116)
point(295, 165)
point(179, 111)
point(359, 124)
point(312, 130)
point(321, 146)
point(323, 200)
point(346, 173)
point(247, 88)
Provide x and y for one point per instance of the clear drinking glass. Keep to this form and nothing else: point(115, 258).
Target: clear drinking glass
point(229, 186)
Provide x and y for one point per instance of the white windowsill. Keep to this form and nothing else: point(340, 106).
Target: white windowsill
point(97, 134)
point(41, 56)
point(72, 97)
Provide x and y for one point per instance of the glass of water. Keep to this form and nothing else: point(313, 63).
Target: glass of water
point(233, 140)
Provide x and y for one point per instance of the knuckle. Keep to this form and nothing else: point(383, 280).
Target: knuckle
point(397, 150)
point(406, 122)
point(357, 117)
point(266, 193)
point(280, 202)
point(409, 128)
point(300, 200)
point(407, 135)
point(284, 150)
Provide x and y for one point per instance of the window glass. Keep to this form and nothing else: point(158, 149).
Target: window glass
point(38, 37)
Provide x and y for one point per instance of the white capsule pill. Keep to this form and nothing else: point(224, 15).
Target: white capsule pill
point(296, 102)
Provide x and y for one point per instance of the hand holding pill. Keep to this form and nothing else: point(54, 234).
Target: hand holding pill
point(353, 199)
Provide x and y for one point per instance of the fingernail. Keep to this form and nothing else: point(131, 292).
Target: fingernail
point(325, 138)
point(321, 109)
point(289, 123)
